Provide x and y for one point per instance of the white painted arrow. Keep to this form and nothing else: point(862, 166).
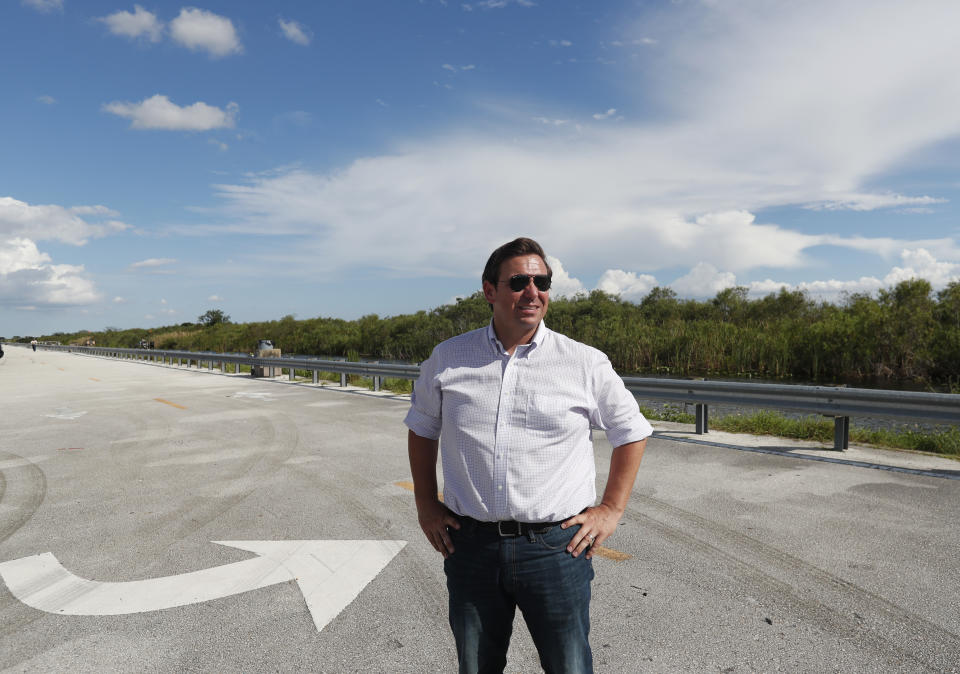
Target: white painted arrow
point(330, 575)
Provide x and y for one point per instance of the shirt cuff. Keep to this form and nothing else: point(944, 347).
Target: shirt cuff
point(639, 429)
point(422, 424)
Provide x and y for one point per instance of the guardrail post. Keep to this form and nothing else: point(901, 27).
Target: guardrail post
point(376, 382)
point(702, 415)
point(292, 373)
point(343, 379)
point(316, 376)
point(841, 433)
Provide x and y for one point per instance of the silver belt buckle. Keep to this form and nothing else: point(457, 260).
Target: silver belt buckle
point(508, 533)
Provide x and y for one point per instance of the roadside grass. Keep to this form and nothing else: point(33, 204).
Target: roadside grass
point(945, 441)
point(398, 386)
point(668, 413)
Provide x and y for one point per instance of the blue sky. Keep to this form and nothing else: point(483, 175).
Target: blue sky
point(348, 158)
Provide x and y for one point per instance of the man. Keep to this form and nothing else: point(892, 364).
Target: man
point(510, 407)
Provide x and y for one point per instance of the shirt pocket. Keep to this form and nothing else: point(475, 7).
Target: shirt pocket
point(547, 414)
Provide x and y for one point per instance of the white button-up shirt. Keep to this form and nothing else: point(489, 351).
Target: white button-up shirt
point(515, 430)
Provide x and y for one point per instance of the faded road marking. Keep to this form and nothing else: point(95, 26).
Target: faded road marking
point(409, 487)
point(94, 379)
point(167, 402)
point(610, 553)
point(265, 396)
point(20, 462)
point(65, 413)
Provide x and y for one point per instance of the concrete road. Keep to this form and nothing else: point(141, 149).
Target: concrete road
point(727, 560)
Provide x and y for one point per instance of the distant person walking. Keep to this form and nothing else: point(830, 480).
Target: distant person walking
point(33, 343)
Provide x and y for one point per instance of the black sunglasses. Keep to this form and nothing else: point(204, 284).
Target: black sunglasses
point(520, 281)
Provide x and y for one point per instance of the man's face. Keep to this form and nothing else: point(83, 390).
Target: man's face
point(518, 311)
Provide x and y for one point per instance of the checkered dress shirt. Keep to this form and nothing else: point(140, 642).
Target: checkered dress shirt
point(514, 431)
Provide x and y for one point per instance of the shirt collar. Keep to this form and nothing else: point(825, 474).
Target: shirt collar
point(538, 337)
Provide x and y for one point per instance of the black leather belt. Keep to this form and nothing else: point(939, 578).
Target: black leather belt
point(509, 527)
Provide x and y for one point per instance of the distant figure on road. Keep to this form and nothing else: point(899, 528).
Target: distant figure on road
point(33, 343)
point(510, 408)
point(1, 350)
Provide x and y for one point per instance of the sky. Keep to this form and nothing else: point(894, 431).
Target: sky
point(350, 157)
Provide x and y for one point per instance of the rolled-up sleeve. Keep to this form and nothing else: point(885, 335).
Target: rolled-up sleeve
point(618, 414)
point(425, 417)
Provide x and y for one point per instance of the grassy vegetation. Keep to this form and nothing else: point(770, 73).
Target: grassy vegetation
point(945, 441)
point(398, 385)
point(905, 335)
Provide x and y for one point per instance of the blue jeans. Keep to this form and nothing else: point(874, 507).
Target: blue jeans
point(488, 577)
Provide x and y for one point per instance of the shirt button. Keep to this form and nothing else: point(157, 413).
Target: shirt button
point(500, 487)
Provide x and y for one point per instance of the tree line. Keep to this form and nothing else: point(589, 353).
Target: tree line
point(903, 334)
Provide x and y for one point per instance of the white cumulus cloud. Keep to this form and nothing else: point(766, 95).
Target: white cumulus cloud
point(920, 263)
point(628, 285)
point(138, 23)
point(704, 280)
point(43, 5)
point(28, 277)
point(200, 30)
point(153, 262)
point(551, 122)
point(917, 263)
point(295, 32)
point(49, 222)
point(562, 284)
point(497, 4)
point(159, 112)
point(871, 202)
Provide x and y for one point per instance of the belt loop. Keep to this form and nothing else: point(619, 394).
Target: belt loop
point(530, 535)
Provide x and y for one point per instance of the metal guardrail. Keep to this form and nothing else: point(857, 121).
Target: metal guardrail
point(841, 403)
point(376, 371)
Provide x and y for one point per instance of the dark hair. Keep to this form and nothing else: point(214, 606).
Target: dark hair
point(516, 248)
